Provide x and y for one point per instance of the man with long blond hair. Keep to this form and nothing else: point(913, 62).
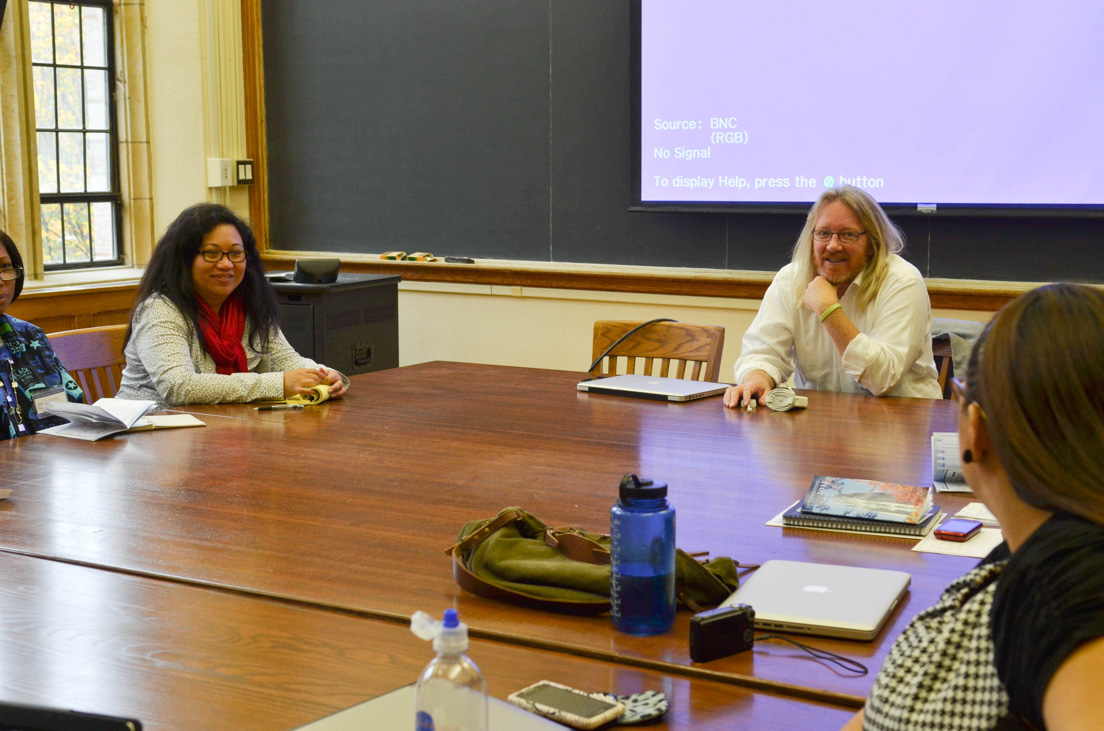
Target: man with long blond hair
point(846, 314)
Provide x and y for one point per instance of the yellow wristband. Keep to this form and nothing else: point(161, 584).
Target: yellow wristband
point(829, 311)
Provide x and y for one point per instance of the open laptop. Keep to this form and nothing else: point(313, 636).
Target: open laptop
point(653, 387)
point(821, 599)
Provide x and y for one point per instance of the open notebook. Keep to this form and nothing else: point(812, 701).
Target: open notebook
point(108, 416)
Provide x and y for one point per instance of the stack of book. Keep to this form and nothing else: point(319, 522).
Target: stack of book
point(867, 506)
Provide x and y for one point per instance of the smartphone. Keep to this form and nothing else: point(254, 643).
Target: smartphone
point(567, 705)
point(958, 529)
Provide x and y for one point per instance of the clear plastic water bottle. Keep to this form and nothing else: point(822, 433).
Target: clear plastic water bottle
point(451, 694)
point(642, 581)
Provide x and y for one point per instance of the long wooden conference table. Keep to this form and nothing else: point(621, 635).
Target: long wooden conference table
point(344, 510)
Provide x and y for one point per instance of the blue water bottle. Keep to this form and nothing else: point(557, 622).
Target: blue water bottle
point(642, 581)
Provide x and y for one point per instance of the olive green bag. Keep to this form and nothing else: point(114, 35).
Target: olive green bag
point(514, 557)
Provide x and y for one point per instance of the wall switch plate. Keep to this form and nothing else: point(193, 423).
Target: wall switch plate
point(220, 172)
point(243, 172)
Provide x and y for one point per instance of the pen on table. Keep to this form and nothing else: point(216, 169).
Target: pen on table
point(280, 407)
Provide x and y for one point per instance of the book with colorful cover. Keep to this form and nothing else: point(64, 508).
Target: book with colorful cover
point(845, 497)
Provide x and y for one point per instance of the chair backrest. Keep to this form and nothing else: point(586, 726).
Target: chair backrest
point(658, 346)
point(952, 341)
point(94, 357)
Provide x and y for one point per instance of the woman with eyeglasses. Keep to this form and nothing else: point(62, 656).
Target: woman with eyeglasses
point(30, 373)
point(1018, 643)
point(204, 326)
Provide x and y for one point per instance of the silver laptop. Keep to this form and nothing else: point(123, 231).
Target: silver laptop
point(821, 599)
point(653, 387)
point(395, 710)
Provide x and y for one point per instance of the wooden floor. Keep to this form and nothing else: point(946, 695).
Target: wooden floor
point(343, 512)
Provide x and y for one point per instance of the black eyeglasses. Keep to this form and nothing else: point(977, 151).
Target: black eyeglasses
point(845, 237)
point(12, 273)
point(958, 391)
point(215, 256)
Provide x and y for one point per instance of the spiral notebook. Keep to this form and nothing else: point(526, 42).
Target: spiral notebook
point(794, 517)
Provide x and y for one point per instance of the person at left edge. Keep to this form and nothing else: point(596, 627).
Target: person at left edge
point(30, 372)
point(204, 325)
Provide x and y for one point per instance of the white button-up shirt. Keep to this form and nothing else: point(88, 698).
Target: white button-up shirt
point(891, 355)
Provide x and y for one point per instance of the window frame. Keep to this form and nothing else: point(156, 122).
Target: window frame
point(114, 196)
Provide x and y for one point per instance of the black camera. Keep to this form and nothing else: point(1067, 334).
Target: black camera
point(721, 632)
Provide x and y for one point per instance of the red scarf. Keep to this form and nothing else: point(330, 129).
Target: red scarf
point(222, 334)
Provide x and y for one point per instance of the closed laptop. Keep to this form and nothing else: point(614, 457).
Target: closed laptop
point(653, 387)
point(821, 599)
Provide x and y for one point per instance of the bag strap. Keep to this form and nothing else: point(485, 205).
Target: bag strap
point(570, 540)
point(577, 546)
point(481, 534)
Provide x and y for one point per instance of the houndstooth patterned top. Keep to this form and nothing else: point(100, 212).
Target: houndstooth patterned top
point(984, 655)
point(940, 673)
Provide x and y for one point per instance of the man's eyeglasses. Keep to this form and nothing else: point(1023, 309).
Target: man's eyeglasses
point(845, 237)
point(215, 256)
point(11, 274)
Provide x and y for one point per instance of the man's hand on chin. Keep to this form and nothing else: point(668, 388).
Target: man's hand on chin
point(819, 295)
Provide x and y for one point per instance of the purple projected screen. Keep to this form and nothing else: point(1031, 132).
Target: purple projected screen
point(986, 103)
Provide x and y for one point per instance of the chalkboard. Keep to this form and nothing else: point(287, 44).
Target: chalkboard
point(503, 129)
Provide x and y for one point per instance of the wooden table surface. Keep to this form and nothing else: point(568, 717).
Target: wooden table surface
point(176, 656)
point(351, 504)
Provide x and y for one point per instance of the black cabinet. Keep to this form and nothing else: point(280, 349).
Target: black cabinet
point(351, 325)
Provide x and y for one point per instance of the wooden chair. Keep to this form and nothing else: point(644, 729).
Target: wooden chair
point(659, 344)
point(94, 357)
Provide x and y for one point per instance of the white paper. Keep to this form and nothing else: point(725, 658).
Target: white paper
point(978, 511)
point(979, 546)
point(947, 473)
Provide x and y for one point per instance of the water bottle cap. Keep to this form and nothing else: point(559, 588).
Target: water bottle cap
point(449, 637)
point(633, 488)
point(451, 619)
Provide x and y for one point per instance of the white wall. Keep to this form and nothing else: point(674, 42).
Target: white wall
point(176, 113)
point(551, 328)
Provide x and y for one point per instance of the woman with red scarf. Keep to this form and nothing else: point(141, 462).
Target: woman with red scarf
point(204, 327)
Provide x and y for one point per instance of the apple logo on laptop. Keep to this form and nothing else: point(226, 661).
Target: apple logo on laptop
point(817, 589)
